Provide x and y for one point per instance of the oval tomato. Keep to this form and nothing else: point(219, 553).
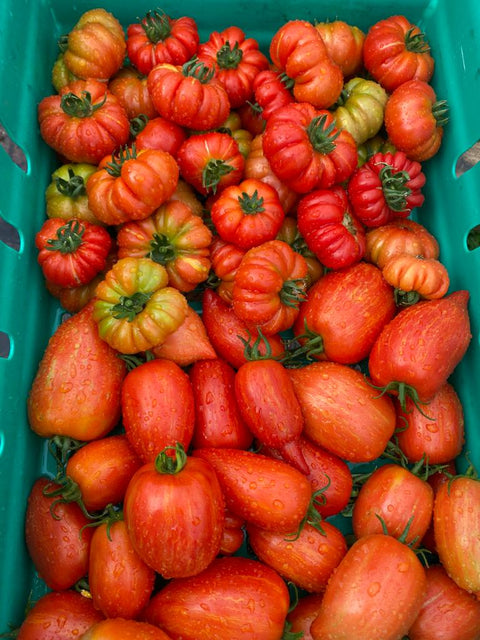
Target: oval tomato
point(304, 612)
point(218, 421)
point(59, 615)
point(236, 598)
point(175, 512)
point(376, 592)
point(76, 390)
point(342, 412)
point(126, 629)
point(157, 407)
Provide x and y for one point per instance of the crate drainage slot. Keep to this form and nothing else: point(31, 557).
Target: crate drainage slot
point(468, 159)
point(9, 234)
point(5, 346)
point(15, 152)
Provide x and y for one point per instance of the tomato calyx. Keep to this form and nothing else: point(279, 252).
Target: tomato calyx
point(251, 204)
point(403, 391)
point(67, 492)
point(80, 106)
point(293, 292)
point(109, 516)
point(138, 124)
point(229, 57)
point(415, 42)
point(195, 69)
point(288, 82)
point(213, 172)
point(440, 112)
point(297, 353)
point(114, 167)
point(134, 360)
point(291, 635)
point(394, 187)
point(62, 43)
point(73, 187)
point(168, 464)
point(129, 307)
point(68, 237)
point(405, 298)
point(403, 536)
point(162, 251)
point(156, 26)
point(312, 515)
point(322, 137)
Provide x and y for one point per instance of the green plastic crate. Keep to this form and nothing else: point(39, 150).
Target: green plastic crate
point(28, 315)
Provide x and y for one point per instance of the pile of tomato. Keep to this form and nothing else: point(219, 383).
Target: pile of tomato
point(253, 315)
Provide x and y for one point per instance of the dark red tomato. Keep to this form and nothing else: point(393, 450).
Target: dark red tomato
point(435, 481)
point(304, 613)
point(233, 534)
point(376, 592)
point(59, 615)
point(345, 312)
point(120, 582)
point(159, 133)
point(175, 512)
point(157, 407)
point(228, 334)
point(307, 560)
point(440, 436)
point(331, 230)
point(126, 629)
point(235, 597)
point(102, 470)
point(327, 473)
point(56, 541)
point(218, 422)
point(448, 612)
point(266, 492)
point(456, 524)
point(268, 405)
point(330, 394)
point(437, 332)
point(396, 498)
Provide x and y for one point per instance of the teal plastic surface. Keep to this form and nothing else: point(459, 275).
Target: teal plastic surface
point(28, 314)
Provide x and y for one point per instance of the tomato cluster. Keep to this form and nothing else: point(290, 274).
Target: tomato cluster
point(203, 454)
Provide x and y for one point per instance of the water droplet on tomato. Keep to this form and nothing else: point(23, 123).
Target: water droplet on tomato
point(403, 567)
point(373, 589)
point(432, 427)
point(65, 387)
point(209, 398)
point(278, 504)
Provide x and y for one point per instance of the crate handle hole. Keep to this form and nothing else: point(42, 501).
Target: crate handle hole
point(9, 234)
point(468, 159)
point(5, 345)
point(473, 238)
point(15, 152)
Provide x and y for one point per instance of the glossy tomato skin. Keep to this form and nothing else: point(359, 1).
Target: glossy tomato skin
point(344, 44)
point(76, 390)
point(402, 500)
point(456, 524)
point(441, 436)
point(448, 612)
point(348, 309)
point(59, 615)
point(342, 412)
point(159, 133)
point(157, 407)
point(304, 613)
point(376, 592)
point(307, 560)
point(130, 88)
point(236, 598)
point(268, 405)
point(218, 422)
point(57, 544)
point(175, 515)
point(269, 493)
point(125, 628)
point(120, 583)
point(225, 330)
point(102, 469)
point(438, 331)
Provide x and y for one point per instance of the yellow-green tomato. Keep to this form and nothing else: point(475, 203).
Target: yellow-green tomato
point(66, 196)
point(360, 108)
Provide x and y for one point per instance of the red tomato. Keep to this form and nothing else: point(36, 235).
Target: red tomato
point(157, 407)
point(304, 613)
point(126, 629)
point(233, 534)
point(439, 437)
point(130, 88)
point(307, 560)
point(58, 544)
point(437, 331)
point(268, 405)
point(71, 253)
point(227, 332)
point(448, 612)
point(402, 500)
point(376, 592)
point(159, 133)
point(271, 91)
point(345, 312)
point(342, 412)
point(218, 422)
point(174, 511)
point(59, 615)
point(235, 598)
point(76, 390)
point(456, 524)
point(120, 582)
point(266, 492)
point(330, 229)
